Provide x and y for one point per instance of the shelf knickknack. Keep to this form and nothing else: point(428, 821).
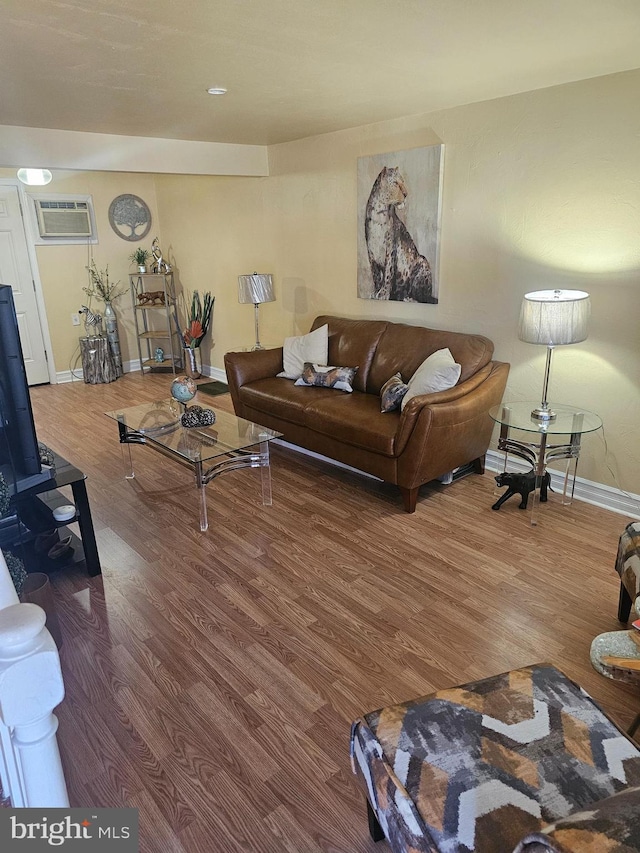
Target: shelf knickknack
point(140, 258)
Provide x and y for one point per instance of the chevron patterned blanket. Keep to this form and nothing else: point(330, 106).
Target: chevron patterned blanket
point(487, 766)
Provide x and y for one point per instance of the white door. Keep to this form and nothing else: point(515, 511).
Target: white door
point(15, 270)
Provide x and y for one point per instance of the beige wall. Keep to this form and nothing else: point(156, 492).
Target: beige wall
point(541, 190)
point(217, 229)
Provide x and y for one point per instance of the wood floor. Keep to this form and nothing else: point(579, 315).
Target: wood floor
point(211, 678)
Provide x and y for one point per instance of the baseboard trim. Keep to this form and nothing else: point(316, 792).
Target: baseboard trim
point(598, 494)
point(217, 373)
point(133, 366)
point(63, 376)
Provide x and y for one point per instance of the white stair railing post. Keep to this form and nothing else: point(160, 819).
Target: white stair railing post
point(31, 686)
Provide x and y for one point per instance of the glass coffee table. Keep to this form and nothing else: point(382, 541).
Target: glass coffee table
point(231, 443)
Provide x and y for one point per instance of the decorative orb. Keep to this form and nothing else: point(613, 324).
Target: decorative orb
point(183, 389)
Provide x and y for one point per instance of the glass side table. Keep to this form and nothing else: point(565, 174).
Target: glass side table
point(537, 451)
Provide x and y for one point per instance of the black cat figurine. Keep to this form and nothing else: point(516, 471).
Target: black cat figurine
point(523, 485)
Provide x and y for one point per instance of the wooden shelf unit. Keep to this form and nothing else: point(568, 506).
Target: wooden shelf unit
point(165, 329)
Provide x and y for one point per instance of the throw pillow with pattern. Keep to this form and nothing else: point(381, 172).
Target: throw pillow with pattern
point(392, 392)
point(339, 378)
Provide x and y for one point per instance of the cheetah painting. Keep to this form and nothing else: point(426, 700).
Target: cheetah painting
point(398, 225)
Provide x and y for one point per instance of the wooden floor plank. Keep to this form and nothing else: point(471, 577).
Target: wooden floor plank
point(211, 678)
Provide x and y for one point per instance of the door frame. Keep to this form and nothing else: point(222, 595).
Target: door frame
point(35, 274)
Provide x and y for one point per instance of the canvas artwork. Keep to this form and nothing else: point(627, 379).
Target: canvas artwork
point(399, 198)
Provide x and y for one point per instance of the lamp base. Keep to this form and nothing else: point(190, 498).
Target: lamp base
point(256, 347)
point(543, 414)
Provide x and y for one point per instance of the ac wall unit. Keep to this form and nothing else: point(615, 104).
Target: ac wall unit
point(63, 218)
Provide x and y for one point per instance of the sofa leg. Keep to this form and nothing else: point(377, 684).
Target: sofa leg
point(375, 830)
point(624, 604)
point(410, 498)
point(478, 465)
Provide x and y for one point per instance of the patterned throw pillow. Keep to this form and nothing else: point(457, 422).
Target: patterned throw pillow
point(339, 378)
point(392, 392)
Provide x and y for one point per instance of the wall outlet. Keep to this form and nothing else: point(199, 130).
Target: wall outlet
point(75, 319)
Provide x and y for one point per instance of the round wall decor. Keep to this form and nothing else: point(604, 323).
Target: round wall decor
point(129, 217)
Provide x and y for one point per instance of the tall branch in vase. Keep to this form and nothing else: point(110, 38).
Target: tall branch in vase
point(106, 291)
point(198, 319)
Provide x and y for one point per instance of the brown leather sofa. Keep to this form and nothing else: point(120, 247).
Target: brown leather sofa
point(435, 434)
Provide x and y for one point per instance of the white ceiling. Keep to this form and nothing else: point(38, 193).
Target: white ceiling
point(293, 68)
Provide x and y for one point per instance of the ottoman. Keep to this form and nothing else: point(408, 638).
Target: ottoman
point(498, 765)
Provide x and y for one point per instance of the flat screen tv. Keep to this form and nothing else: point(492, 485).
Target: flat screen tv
point(19, 453)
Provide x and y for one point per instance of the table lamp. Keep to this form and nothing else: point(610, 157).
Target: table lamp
point(256, 288)
point(553, 318)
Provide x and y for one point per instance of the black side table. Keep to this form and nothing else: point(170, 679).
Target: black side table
point(35, 505)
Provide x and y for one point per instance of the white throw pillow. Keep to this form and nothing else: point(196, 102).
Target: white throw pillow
point(436, 373)
point(313, 348)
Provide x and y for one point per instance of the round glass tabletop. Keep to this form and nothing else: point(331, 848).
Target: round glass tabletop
point(569, 420)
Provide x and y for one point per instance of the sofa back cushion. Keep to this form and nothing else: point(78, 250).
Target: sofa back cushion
point(353, 343)
point(403, 348)
point(379, 349)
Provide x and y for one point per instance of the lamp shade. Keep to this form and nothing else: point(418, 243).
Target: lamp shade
point(554, 317)
point(256, 288)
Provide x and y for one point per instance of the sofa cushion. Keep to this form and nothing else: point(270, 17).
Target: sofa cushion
point(403, 348)
point(302, 348)
point(438, 372)
point(281, 398)
point(354, 342)
point(353, 419)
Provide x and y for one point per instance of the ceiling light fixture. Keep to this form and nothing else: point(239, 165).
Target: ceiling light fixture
point(34, 177)
point(216, 90)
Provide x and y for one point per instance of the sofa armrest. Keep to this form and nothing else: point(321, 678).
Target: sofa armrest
point(245, 367)
point(609, 824)
point(414, 405)
point(462, 402)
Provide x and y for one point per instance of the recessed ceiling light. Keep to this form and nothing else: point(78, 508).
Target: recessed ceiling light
point(216, 90)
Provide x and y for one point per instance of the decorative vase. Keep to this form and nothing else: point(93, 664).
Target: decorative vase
point(142, 269)
point(113, 336)
point(192, 362)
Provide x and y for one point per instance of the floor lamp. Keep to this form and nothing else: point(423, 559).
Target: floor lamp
point(553, 318)
point(256, 289)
